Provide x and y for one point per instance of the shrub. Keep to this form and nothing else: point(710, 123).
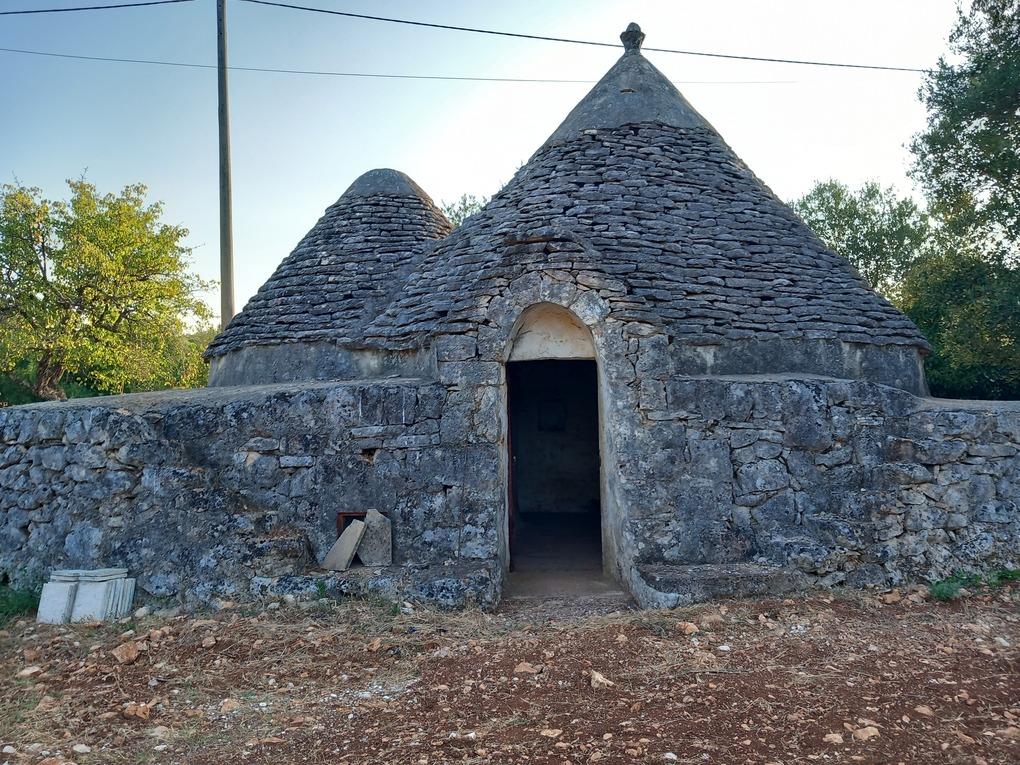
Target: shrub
point(17, 602)
point(945, 589)
point(949, 588)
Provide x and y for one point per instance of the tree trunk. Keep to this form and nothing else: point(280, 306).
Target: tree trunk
point(47, 378)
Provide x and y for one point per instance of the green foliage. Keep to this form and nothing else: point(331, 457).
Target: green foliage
point(945, 589)
point(1001, 576)
point(960, 290)
point(14, 392)
point(968, 158)
point(880, 233)
point(969, 309)
point(97, 287)
point(953, 267)
point(16, 386)
point(17, 602)
point(950, 587)
point(468, 204)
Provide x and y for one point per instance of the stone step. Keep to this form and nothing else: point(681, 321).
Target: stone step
point(659, 585)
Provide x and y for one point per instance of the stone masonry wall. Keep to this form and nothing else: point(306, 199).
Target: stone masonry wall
point(234, 491)
point(228, 492)
point(848, 482)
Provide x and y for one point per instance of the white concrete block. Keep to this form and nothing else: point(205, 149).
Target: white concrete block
point(56, 602)
point(92, 602)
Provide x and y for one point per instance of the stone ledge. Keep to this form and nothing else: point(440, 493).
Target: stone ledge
point(460, 585)
point(662, 585)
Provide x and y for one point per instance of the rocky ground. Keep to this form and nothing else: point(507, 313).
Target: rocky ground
point(822, 678)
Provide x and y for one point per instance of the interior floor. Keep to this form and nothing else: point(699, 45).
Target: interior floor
point(558, 554)
point(557, 542)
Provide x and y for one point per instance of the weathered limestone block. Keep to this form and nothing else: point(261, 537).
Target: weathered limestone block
point(455, 347)
point(762, 475)
point(468, 373)
point(1000, 512)
point(343, 550)
point(376, 546)
point(923, 517)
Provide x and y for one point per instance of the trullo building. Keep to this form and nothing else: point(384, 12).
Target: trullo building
point(635, 367)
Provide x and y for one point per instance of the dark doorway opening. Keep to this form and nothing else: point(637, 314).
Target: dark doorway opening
point(554, 498)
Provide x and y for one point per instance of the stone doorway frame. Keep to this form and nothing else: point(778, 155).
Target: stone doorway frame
point(546, 331)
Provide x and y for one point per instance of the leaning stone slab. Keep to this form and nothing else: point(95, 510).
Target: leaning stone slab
point(56, 602)
point(93, 600)
point(376, 548)
point(342, 552)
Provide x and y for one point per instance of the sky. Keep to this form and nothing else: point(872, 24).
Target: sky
point(298, 141)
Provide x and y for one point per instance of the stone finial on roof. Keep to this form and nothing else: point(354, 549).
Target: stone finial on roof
point(632, 38)
point(633, 91)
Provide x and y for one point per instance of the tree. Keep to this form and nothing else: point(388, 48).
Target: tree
point(968, 158)
point(969, 309)
point(879, 233)
point(468, 204)
point(97, 287)
point(956, 286)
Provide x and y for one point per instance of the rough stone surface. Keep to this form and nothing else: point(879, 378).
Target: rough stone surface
point(376, 548)
point(344, 270)
point(635, 203)
point(638, 202)
point(660, 585)
point(758, 402)
point(632, 91)
point(342, 552)
point(840, 482)
point(239, 487)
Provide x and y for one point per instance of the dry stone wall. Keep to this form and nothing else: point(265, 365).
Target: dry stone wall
point(234, 492)
point(847, 482)
point(844, 481)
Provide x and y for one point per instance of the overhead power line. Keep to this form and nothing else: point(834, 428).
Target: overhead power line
point(92, 7)
point(378, 75)
point(597, 43)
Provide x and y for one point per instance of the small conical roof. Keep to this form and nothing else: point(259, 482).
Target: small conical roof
point(345, 270)
point(636, 196)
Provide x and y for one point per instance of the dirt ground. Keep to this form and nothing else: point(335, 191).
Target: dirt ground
point(826, 678)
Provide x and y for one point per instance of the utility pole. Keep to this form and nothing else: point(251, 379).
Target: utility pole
point(226, 224)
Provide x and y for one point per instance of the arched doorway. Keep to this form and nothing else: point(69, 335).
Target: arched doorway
point(554, 468)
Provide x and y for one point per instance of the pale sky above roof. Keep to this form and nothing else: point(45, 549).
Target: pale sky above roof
point(299, 141)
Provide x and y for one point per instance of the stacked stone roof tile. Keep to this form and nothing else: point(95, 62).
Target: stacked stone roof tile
point(670, 227)
point(635, 195)
point(345, 270)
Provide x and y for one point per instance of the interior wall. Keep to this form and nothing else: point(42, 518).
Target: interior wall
point(554, 421)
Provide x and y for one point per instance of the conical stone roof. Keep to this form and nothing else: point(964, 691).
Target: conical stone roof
point(638, 197)
point(345, 270)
